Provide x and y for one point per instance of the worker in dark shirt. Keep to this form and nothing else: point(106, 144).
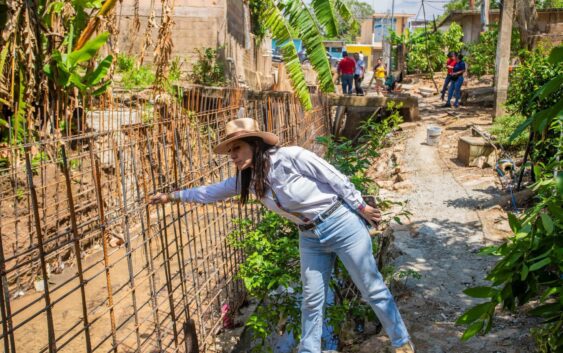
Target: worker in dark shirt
point(346, 68)
point(452, 59)
point(457, 81)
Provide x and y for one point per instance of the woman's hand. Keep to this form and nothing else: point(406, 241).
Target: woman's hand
point(159, 198)
point(371, 214)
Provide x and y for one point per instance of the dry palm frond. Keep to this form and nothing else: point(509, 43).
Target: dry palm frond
point(147, 41)
point(136, 21)
point(94, 22)
point(164, 45)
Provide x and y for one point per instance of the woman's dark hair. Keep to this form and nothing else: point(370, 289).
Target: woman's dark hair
point(257, 175)
point(460, 56)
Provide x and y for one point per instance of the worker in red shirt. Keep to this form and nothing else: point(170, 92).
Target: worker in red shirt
point(452, 60)
point(346, 68)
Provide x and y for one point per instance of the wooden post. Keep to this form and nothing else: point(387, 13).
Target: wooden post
point(503, 56)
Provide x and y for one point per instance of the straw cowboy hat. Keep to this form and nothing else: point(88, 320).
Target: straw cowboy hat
point(240, 128)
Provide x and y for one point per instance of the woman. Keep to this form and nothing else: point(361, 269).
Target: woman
point(379, 74)
point(304, 188)
point(457, 81)
point(450, 67)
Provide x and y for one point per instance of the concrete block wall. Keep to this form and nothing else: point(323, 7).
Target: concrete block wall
point(197, 24)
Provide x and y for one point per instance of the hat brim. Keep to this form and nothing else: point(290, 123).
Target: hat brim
point(268, 137)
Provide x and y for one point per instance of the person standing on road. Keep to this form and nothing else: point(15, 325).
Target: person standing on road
point(457, 81)
point(346, 68)
point(379, 73)
point(304, 188)
point(359, 74)
point(452, 59)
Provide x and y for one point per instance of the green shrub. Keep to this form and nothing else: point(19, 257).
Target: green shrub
point(481, 56)
point(503, 127)
point(142, 77)
point(530, 263)
point(125, 62)
point(207, 70)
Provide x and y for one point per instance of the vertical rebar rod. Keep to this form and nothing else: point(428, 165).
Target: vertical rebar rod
point(128, 246)
point(103, 233)
point(163, 235)
point(180, 240)
point(147, 235)
point(77, 251)
point(7, 325)
point(192, 243)
point(39, 234)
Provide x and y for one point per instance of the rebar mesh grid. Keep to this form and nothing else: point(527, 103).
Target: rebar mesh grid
point(86, 264)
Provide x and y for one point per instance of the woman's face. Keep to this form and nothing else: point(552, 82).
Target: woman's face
point(241, 154)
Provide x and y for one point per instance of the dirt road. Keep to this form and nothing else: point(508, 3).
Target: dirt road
point(442, 239)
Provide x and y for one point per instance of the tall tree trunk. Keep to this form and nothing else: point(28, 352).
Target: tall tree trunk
point(527, 19)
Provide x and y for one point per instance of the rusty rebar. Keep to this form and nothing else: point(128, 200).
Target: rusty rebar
point(42, 259)
point(77, 251)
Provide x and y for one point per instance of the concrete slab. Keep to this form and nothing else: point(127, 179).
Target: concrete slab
point(470, 148)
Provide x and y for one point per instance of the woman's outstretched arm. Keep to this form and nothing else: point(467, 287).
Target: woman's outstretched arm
point(203, 194)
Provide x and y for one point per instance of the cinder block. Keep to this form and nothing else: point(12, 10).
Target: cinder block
point(471, 147)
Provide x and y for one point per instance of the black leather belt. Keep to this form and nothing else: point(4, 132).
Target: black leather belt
point(320, 218)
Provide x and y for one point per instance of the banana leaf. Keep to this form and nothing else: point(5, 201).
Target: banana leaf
point(282, 32)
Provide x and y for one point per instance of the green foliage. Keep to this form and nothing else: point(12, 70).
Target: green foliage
point(138, 78)
point(534, 70)
point(292, 19)
point(257, 9)
point(453, 38)
point(349, 31)
point(531, 264)
point(65, 69)
point(125, 62)
point(353, 161)
point(208, 70)
point(270, 272)
point(549, 4)
point(504, 126)
point(426, 49)
point(481, 56)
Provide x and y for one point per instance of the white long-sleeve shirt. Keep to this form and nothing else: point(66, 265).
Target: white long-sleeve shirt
point(305, 186)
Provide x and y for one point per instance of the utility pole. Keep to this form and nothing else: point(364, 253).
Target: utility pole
point(503, 56)
point(484, 15)
point(391, 44)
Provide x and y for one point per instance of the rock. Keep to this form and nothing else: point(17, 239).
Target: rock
point(426, 90)
point(380, 166)
point(385, 184)
point(403, 186)
point(479, 162)
point(400, 177)
point(39, 285)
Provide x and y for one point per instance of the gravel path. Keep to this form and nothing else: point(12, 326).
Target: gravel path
point(441, 244)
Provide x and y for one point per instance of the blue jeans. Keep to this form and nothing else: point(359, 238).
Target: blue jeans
point(455, 91)
point(446, 83)
point(345, 235)
point(347, 83)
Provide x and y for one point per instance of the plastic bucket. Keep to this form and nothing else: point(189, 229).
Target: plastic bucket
point(433, 135)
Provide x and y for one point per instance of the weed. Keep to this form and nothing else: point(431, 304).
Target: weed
point(20, 193)
point(502, 129)
point(140, 78)
point(208, 70)
point(125, 63)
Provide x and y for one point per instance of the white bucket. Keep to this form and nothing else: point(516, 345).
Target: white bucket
point(433, 135)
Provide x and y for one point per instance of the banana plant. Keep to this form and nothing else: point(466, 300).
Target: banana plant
point(295, 19)
point(66, 69)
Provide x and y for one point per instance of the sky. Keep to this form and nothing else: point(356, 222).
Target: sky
point(432, 7)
